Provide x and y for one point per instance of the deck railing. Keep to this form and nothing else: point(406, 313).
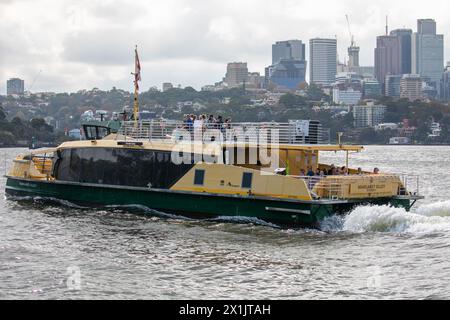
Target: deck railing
point(321, 187)
point(270, 132)
point(325, 187)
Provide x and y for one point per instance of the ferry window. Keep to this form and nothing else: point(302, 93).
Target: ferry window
point(199, 178)
point(91, 133)
point(102, 132)
point(247, 180)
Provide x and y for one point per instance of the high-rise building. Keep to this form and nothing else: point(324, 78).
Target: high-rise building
point(411, 87)
point(404, 37)
point(387, 58)
point(426, 26)
point(15, 86)
point(288, 50)
point(323, 56)
point(353, 57)
point(445, 84)
point(392, 86)
point(369, 115)
point(288, 74)
point(288, 69)
point(237, 73)
point(428, 53)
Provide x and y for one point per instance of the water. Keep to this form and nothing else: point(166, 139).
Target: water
point(58, 251)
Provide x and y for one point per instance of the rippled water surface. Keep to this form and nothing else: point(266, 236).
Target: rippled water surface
point(58, 251)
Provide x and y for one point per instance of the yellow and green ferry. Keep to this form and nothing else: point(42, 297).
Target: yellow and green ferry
point(137, 166)
point(252, 170)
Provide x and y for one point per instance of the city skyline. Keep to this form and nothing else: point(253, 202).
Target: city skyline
point(80, 45)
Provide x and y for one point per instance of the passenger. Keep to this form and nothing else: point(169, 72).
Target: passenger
point(360, 173)
point(376, 171)
point(219, 123)
point(318, 173)
point(310, 172)
point(302, 173)
point(344, 171)
point(332, 170)
point(211, 122)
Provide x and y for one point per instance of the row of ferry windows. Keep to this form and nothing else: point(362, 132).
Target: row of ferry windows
point(247, 177)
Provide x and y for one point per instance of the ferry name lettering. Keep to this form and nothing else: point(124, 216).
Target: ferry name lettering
point(25, 184)
point(372, 187)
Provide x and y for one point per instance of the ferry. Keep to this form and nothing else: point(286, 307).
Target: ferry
point(245, 170)
point(150, 165)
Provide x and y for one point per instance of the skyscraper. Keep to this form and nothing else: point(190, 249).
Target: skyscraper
point(288, 69)
point(288, 50)
point(15, 86)
point(428, 53)
point(387, 58)
point(353, 57)
point(288, 73)
point(237, 74)
point(404, 36)
point(323, 56)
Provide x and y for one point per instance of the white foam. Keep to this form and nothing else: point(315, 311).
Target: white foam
point(432, 218)
point(441, 209)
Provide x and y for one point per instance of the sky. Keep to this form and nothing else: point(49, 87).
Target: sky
point(68, 45)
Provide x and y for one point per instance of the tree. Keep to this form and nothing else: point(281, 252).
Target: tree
point(314, 92)
point(2, 114)
point(290, 100)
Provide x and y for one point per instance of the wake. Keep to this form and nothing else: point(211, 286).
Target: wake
point(431, 218)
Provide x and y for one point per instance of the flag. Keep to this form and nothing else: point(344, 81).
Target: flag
point(137, 70)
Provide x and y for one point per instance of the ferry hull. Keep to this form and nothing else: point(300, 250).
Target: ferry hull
point(282, 212)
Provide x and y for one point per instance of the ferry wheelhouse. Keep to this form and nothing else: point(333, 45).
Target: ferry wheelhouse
point(254, 170)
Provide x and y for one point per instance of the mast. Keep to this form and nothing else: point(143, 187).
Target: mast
point(137, 78)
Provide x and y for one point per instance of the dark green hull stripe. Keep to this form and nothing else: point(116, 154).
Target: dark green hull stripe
point(289, 212)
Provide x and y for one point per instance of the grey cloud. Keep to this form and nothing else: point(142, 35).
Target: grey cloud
point(187, 42)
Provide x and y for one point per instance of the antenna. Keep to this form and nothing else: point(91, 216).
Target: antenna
point(387, 25)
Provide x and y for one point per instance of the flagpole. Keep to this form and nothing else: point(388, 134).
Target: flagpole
point(136, 89)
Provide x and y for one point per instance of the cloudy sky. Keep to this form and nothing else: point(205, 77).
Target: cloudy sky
point(81, 44)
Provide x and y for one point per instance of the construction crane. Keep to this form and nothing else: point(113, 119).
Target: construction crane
point(34, 80)
point(352, 38)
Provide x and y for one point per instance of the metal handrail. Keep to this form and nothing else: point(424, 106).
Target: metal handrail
point(167, 130)
point(334, 190)
point(315, 184)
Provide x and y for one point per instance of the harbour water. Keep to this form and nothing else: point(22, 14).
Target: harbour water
point(60, 251)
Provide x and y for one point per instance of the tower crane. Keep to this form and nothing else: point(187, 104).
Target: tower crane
point(352, 38)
